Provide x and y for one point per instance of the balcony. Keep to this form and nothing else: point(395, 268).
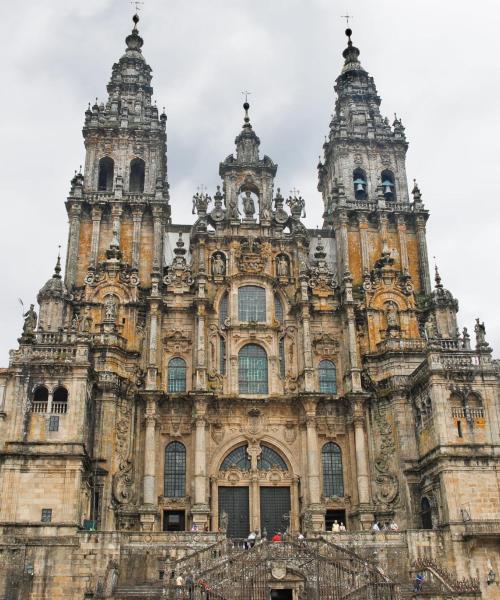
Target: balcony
point(482, 528)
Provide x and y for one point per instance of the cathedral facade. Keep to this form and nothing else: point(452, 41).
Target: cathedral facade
point(244, 373)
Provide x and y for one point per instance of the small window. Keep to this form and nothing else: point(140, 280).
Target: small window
point(106, 174)
point(40, 400)
point(137, 175)
point(388, 185)
point(222, 356)
point(60, 401)
point(175, 470)
point(278, 309)
point(46, 515)
point(252, 303)
point(333, 477)
point(327, 377)
point(252, 370)
point(53, 423)
point(426, 513)
point(282, 357)
point(459, 429)
point(177, 375)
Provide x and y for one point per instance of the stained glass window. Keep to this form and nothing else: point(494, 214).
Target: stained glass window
point(252, 303)
point(327, 377)
point(223, 310)
point(252, 370)
point(177, 375)
point(269, 459)
point(278, 308)
point(175, 470)
point(222, 356)
point(333, 478)
point(237, 458)
point(282, 356)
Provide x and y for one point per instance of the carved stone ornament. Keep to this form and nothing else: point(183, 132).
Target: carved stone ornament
point(325, 345)
point(176, 341)
point(179, 276)
point(253, 256)
point(278, 570)
point(321, 278)
point(386, 483)
point(123, 479)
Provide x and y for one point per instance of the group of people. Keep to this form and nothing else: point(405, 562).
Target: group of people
point(338, 527)
point(387, 526)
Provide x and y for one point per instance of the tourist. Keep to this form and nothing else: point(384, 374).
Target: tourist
point(375, 526)
point(277, 537)
point(335, 527)
point(194, 527)
point(393, 526)
point(251, 540)
point(190, 585)
point(342, 527)
point(179, 583)
point(419, 582)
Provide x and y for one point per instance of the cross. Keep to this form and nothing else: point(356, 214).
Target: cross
point(347, 17)
point(246, 93)
point(201, 189)
point(136, 3)
point(295, 193)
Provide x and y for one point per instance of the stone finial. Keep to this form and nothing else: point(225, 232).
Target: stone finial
point(437, 278)
point(134, 41)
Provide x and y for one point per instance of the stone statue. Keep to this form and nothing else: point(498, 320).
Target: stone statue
point(110, 308)
point(75, 322)
point(248, 205)
point(391, 313)
point(232, 209)
point(224, 521)
point(86, 322)
point(430, 328)
point(30, 319)
point(480, 331)
point(282, 266)
point(218, 266)
point(265, 211)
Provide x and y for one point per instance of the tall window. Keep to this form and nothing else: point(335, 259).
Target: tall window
point(175, 470)
point(327, 377)
point(106, 173)
point(137, 174)
point(333, 478)
point(278, 308)
point(252, 370)
point(177, 375)
point(252, 303)
point(426, 513)
point(237, 458)
point(223, 310)
point(222, 356)
point(282, 357)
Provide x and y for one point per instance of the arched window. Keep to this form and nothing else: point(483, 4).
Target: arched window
point(333, 477)
point(426, 513)
point(327, 377)
point(360, 184)
point(252, 303)
point(388, 185)
point(223, 314)
point(270, 459)
point(222, 355)
point(237, 458)
point(60, 401)
point(278, 309)
point(137, 174)
point(40, 399)
point(281, 349)
point(175, 470)
point(177, 375)
point(252, 370)
point(106, 174)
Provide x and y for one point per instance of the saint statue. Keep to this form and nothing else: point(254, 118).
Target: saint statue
point(110, 308)
point(248, 205)
point(218, 266)
point(391, 313)
point(232, 209)
point(282, 266)
point(224, 521)
point(480, 331)
point(30, 319)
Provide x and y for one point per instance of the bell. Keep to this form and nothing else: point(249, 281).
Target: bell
point(360, 184)
point(388, 185)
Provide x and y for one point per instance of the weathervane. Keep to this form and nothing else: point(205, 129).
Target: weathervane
point(136, 3)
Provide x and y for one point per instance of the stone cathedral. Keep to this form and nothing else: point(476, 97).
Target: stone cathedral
point(181, 386)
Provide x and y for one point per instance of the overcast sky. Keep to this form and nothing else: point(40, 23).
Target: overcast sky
point(434, 63)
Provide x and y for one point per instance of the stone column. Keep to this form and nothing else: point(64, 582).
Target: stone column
point(315, 509)
point(137, 213)
point(154, 327)
point(343, 242)
point(96, 228)
point(403, 249)
point(425, 280)
point(354, 358)
point(309, 381)
point(254, 501)
point(149, 481)
point(75, 211)
point(200, 509)
point(363, 235)
point(157, 238)
point(361, 453)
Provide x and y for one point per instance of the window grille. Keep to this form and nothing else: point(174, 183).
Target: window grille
point(223, 310)
point(252, 370)
point(222, 357)
point(270, 459)
point(177, 375)
point(175, 470)
point(237, 458)
point(46, 515)
point(333, 478)
point(278, 309)
point(282, 357)
point(53, 423)
point(327, 377)
point(252, 303)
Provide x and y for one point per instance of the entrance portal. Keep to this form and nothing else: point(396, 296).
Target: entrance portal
point(281, 594)
point(274, 509)
point(234, 502)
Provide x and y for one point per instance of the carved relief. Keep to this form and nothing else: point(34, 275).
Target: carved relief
point(386, 482)
point(177, 342)
point(123, 479)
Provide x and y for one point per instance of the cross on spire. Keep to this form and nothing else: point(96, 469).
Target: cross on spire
point(347, 17)
point(246, 93)
point(295, 193)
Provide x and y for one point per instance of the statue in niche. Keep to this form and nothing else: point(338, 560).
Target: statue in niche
point(218, 265)
point(110, 309)
point(392, 316)
point(86, 322)
point(265, 211)
point(430, 328)
point(282, 266)
point(30, 319)
point(232, 209)
point(248, 205)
